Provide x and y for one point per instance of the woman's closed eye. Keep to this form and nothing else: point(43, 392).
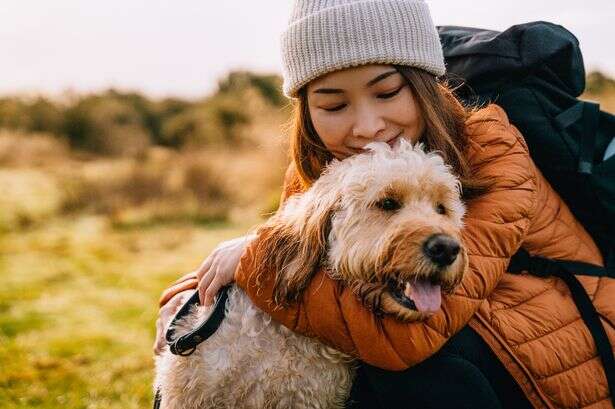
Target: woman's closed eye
point(390, 94)
point(386, 95)
point(335, 108)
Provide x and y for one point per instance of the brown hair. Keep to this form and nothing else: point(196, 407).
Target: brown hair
point(444, 115)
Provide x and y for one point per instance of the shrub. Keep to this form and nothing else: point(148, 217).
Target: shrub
point(107, 125)
point(217, 121)
point(598, 83)
point(269, 85)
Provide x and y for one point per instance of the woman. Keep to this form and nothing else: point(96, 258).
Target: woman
point(364, 71)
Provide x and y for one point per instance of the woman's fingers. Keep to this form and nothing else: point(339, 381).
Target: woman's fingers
point(205, 267)
point(169, 293)
point(213, 288)
point(204, 284)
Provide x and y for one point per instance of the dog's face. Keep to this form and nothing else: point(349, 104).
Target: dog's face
point(386, 222)
point(395, 234)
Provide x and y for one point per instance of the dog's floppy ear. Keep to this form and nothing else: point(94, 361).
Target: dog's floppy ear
point(293, 243)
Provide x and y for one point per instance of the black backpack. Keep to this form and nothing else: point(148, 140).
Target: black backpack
point(535, 72)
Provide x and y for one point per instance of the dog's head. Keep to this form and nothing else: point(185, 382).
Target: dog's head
point(386, 222)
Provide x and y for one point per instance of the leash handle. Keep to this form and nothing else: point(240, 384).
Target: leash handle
point(187, 343)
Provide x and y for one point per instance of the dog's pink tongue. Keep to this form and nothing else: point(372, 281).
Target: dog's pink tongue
point(426, 296)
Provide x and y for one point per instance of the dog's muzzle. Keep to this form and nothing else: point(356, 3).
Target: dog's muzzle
point(424, 293)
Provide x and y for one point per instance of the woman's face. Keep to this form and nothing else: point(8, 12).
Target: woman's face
point(353, 107)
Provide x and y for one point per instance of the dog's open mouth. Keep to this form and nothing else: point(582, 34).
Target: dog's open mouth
point(419, 295)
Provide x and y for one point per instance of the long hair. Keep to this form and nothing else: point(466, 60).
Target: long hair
point(444, 115)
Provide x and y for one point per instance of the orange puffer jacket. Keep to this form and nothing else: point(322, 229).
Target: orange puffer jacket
point(530, 323)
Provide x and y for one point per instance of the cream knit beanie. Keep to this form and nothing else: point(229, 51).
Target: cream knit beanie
point(327, 35)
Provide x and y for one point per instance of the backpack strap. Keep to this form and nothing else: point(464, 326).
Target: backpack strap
point(566, 270)
point(589, 113)
point(591, 120)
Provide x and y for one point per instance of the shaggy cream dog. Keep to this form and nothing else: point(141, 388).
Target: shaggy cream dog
point(387, 223)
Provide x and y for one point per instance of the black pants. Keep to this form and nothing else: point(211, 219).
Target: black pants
point(465, 373)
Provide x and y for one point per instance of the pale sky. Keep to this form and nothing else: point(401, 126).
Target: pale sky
point(182, 47)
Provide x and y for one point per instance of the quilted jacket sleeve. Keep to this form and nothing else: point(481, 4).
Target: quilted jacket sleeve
point(495, 226)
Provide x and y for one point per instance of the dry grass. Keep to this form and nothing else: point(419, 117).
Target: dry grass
point(19, 149)
point(41, 179)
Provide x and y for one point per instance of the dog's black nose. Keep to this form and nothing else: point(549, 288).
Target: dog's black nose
point(441, 249)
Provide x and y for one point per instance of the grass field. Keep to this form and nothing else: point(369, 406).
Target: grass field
point(78, 303)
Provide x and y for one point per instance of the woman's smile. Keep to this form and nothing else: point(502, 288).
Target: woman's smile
point(394, 140)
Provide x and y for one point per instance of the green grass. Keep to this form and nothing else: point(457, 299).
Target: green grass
point(78, 304)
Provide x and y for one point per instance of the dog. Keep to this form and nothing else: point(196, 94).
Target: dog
point(386, 223)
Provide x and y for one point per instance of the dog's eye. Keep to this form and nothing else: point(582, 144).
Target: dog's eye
point(440, 208)
point(389, 204)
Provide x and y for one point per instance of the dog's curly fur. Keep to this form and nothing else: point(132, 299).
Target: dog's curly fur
point(366, 219)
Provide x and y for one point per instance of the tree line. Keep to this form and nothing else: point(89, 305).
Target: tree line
point(123, 123)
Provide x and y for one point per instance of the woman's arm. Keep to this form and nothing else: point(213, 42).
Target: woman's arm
point(496, 224)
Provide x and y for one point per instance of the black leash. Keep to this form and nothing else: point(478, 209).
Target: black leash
point(187, 343)
point(566, 270)
point(157, 399)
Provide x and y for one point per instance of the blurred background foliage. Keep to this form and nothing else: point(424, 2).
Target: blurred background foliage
point(140, 160)
point(107, 198)
point(126, 123)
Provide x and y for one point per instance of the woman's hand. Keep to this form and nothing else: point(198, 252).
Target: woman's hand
point(219, 268)
point(215, 272)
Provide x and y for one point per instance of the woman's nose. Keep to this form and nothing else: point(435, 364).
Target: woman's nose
point(367, 124)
